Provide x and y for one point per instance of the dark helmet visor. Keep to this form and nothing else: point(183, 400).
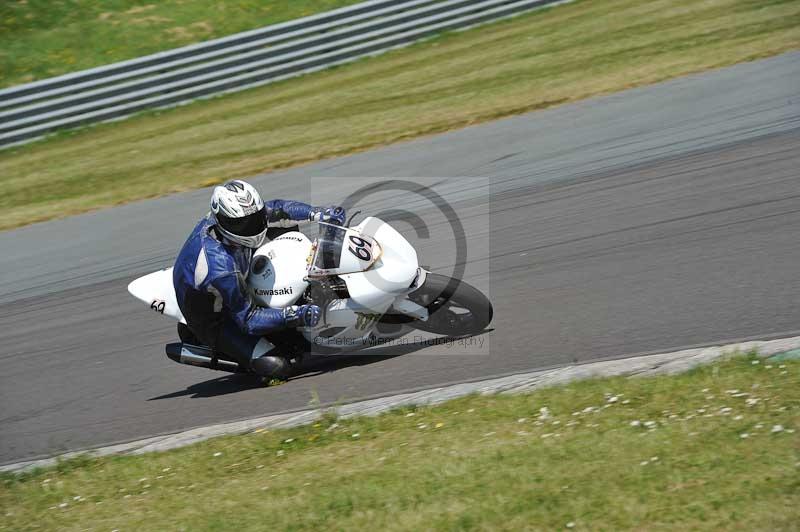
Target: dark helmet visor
point(249, 225)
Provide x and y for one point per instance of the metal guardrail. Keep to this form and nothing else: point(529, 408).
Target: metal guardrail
point(235, 62)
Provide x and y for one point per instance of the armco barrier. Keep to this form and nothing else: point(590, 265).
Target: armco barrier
point(235, 62)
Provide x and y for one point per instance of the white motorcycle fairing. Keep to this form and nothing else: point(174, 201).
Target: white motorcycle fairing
point(156, 289)
point(379, 268)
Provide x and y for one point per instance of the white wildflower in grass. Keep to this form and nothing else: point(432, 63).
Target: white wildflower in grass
point(777, 428)
point(612, 399)
point(755, 362)
point(635, 423)
point(411, 414)
point(704, 390)
point(521, 420)
point(737, 418)
point(790, 431)
point(782, 366)
point(544, 413)
point(260, 466)
point(701, 410)
point(332, 427)
point(673, 416)
point(471, 410)
point(759, 426)
point(650, 424)
point(644, 463)
point(751, 401)
point(438, 425)
point(144, 479)
point(488, 434)
point(422, 426)
point(556, 422)
point(547, 435)
point(784, 372)
point(356, 435)
point(725, 410)
point(63, 505)
point(570, 524)
point(744, 435)
point(45, 481)
point(626, 401)
point(589, 409)
point(279, 453)
point(654, 459)
point(166, 469)
point(288, 440)
point(215, 455)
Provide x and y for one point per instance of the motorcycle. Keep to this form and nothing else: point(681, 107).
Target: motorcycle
point(366, 280)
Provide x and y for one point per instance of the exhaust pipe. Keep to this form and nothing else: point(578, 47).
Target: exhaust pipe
point(203, 357)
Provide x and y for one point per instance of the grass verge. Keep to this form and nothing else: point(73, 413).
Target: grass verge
point(716, 448)
point(537, 60)
point(44, 38)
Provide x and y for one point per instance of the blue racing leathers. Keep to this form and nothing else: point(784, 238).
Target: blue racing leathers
point(209, 279)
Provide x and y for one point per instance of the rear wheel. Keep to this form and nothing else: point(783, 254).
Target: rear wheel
point(455, 308)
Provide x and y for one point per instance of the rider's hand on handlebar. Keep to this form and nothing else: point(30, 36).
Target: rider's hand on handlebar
point(333, 215)
point(302, 316)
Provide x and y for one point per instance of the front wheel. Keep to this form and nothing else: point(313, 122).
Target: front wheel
point(455, 308)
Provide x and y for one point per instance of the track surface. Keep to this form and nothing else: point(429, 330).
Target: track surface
point(648, 220)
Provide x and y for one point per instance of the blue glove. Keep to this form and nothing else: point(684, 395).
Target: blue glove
point(302, 316)
point(333, 215)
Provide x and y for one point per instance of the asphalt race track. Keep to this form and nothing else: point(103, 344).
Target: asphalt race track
point(648, 220)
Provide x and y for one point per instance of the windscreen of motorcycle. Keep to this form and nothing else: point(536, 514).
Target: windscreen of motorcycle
point(341, 250)
point(278, 269)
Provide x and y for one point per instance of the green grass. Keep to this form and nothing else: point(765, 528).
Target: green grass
point(488, 463)
point(535, 61)
point(44, 38)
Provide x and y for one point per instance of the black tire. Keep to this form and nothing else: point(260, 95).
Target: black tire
point(455, 308)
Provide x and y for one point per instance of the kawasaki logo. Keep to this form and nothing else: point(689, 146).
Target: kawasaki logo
point(277, 292)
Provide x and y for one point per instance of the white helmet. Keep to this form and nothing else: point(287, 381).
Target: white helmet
point(238, 211)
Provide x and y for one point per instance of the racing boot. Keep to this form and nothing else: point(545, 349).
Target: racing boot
point(271, 367)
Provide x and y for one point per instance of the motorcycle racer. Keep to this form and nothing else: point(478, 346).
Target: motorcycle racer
point(211, 268)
